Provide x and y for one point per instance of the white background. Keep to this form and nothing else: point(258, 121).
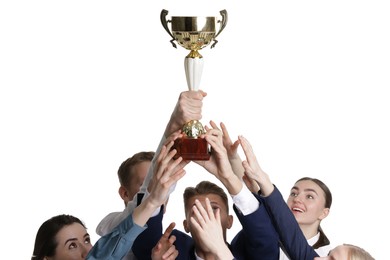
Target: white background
point(85, 84)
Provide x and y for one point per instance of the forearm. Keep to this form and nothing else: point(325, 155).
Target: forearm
point(173, 125)
point(144, 211)
point(232, 183)
point(265, 184)
point(237, 167)
point(149, 176)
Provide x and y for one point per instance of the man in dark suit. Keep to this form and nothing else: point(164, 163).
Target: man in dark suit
point(257, 239)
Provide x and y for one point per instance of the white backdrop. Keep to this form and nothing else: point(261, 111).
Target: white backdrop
point(85, 84)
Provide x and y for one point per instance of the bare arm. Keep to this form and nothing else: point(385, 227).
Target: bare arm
point(219, 164)
point(168, 172)
point(235, 159)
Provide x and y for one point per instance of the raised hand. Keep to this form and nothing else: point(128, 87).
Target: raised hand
point(167, 172)
point(231, 147)
point(253, 170)
point(219, 164)
point(165, 249)
point(206, 226)
point(188, 107)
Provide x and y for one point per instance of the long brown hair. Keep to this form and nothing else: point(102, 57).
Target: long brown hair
point(323, 239)
point(45, 241)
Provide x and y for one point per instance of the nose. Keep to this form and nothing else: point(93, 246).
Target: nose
point(297, 198)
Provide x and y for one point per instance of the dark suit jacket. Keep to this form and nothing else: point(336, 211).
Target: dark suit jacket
point(256, 241)
point(291, 236)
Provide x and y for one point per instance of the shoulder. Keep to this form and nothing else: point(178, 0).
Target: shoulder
point(183, 241)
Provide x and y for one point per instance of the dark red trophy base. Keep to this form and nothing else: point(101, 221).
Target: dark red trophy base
point(196, 149)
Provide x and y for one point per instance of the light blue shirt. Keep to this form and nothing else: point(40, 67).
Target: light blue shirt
point(116, 244)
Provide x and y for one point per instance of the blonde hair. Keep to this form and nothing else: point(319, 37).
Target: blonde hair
point(358, 253)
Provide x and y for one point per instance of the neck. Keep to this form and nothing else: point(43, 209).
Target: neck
point(309, 230)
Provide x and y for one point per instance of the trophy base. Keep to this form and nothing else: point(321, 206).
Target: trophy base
point(196, 149)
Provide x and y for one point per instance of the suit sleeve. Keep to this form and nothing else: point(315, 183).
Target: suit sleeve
point(258, 236)
point(144, 243)
point(291, 235)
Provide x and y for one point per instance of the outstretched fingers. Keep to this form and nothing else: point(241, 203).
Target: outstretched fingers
point(169, 230)
point(165, 249)
point(251, 164)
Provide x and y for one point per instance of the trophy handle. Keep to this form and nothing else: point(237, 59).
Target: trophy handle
point(223, 24)
point(164, 22)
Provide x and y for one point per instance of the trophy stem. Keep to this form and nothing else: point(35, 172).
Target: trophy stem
point(193, 68)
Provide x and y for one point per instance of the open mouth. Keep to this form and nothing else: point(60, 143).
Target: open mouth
point(298, 210)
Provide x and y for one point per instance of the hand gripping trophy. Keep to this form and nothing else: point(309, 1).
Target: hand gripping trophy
point(193, 33)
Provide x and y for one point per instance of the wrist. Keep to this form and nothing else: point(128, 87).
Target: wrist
point(232, 183)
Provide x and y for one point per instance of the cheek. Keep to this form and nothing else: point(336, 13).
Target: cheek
point(224, 221)
point(188, 219)
point(314, 209)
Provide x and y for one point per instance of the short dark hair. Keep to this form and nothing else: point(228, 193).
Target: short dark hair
point(124, 171)
point(203, 188)
point(45, 240)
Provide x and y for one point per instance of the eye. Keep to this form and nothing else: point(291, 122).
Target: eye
point(309, 197)
point(87, 240)
point(72, 245)
point(215, 208)
point(293, 194)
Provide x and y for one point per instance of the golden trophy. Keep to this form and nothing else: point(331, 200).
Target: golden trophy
point(193, 33)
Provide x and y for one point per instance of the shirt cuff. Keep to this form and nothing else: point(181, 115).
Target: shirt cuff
point(245, 202)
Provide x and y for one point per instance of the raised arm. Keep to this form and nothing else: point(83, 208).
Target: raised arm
point(252, 169)
point(168, 172)
point(235, 159)
point(219, 164)
point(290, 234)
point(116, 244)
point(188, 106)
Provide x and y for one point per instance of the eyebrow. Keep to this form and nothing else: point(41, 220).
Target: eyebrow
point(70, 240)
point(75, 239)
point(296, 188)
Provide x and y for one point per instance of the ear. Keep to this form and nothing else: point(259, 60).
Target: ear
point(229, 221)
point(123, 193)
point(185, 225)
point(325, 213)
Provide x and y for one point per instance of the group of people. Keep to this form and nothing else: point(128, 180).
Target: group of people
point(271, 227)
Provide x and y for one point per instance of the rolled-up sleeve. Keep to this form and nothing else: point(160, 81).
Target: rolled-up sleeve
point(117, 244)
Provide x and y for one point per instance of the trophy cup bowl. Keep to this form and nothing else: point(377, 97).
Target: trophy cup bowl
point(193, 33)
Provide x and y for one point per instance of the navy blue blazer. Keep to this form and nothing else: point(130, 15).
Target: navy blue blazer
point(257, 240)
point(291, 236)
